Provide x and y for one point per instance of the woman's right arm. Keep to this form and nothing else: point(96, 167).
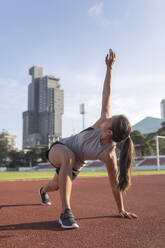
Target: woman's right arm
point(111, 163)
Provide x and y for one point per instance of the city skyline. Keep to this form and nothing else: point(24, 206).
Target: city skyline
point(42, 120)
point(70, 39)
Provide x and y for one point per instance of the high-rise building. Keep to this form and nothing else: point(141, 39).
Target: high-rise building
point(162, 106)
point(42, 121)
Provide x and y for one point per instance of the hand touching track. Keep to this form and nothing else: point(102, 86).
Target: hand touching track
point(124, 214)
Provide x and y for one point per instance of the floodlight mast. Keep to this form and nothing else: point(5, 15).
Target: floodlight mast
point(157, 151)
point(82, 112)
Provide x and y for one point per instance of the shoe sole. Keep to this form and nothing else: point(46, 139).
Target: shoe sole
point(42, 203)
point(75, 225)
point(46, 204)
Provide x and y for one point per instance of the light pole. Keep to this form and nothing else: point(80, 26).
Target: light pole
point(82, 112)
point(157, 151)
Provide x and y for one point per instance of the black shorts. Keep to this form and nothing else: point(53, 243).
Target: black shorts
point(74, 172)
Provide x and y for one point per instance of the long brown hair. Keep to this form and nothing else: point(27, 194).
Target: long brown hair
point(121, 129)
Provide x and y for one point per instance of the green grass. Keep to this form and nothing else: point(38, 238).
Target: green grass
point(7, 176)
point(162, 172)
point(16, 175)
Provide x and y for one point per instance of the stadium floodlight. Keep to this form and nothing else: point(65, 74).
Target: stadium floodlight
point(157, 150)
point(82, 112)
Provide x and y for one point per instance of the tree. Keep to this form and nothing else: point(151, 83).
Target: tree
point(163, 124)
point(4, 147)
point(42, 154)
point(152, 140)
point(16, 159)
point(31, 158)
point(142, 144)
point(34, 156)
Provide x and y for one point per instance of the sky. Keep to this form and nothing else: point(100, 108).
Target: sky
point(70, 39)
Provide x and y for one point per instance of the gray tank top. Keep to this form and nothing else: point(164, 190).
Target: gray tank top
point(86, 146)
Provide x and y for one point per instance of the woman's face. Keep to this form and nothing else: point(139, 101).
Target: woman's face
point(107, 124)
point(106, 127)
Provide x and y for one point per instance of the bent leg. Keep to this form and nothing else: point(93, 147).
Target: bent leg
point(65, 178)
point(64, 159)
point(52, 185)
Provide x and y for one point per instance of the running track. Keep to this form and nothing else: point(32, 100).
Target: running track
point(24, 223)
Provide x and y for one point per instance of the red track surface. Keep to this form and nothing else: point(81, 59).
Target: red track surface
point(25, 223)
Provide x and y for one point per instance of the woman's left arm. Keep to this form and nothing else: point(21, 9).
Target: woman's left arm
point(111, 164)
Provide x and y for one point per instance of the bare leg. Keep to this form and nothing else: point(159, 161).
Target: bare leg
point(65, 179)
point(64, 158)
point(52, 185)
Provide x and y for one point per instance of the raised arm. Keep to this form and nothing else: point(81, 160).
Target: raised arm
point(106, 94)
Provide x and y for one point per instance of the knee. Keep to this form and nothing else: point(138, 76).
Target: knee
point(56, 187)
point(69, 159)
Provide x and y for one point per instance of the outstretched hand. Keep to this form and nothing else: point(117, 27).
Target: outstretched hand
point(110, 59)
point(124, 214)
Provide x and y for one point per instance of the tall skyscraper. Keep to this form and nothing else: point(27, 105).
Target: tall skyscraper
point(162, 106)
point(43, 119)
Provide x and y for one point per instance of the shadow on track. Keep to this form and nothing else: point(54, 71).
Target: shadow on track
point(99, 217)
point(19, 205)
point(5, 237)
point(46, 225)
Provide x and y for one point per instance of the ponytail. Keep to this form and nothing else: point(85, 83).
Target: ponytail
point(121, 129)
point(125, 164)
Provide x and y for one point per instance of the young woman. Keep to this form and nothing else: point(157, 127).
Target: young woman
point(96, 142)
